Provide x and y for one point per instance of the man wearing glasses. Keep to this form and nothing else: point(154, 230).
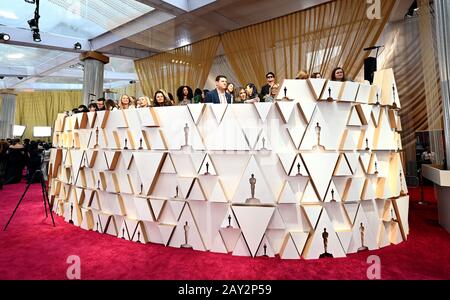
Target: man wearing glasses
point(266, 88)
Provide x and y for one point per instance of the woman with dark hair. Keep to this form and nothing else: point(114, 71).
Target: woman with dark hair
point(184, 95)
point(82, 108)
point(316, 75)
point(161, 99)
point(110, 105)
point(205, 92)
point(230, 90)
point(197, 96)
point(93, 107)
point(338, 75)
point(252, 93)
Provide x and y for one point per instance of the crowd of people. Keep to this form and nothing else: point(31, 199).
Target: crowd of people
point(19, 159)
point(225, 92)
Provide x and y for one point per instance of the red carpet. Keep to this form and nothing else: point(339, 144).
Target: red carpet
point(32, 249)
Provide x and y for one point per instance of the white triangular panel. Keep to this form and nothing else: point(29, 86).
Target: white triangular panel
point(287, 195)
point(168, 167)
point(263, 110)
point(262, 190)
point(288, 249)
point(218, 111)
point(313, 213)
point(354, 119)
point(207, 167)
point(196, 192)
point(320, 168)
point(353, 161)
point(333, 194)
point(218, 245)
point(299, 239)
point(253, 222)
point(196, 111)
point(166, 231)
point(351, 209)
point(230, 237)
point(241, 248)
point(157, 206)
point(265, 248)
point(148, 165)
point(276, 222)
point(316, 244)
point(286, 109)
point(317, 86)
point(342, 167)
point(287, 160)
point(194, 237)
point(309, 194)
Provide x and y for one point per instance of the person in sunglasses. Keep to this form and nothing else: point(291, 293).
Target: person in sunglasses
point(270, 77)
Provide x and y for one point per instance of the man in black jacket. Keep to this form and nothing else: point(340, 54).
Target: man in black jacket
point(266, 88)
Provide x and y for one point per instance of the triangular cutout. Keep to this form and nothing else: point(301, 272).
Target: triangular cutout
point(342, 167)
point(286, 109)
point(253, 222)
point(287, 195)
point(265, 249)
point(207, 167)
point(241, 248)
point(219, 111)
point(288, 250)
point(263, 110)
point(320, 167)
point(196, 111)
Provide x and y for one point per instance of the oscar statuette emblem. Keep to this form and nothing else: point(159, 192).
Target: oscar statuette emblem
point(252, 200)
point(325, 235)
point(186, 231)
point(361, 232)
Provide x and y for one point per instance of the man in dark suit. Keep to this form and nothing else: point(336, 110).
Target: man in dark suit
point(265, 90)
point(219, 94)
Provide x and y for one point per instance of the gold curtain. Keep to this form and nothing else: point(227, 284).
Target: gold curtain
point(188, 65)
point(317, 39)
point(41, 108)
point(410, 52)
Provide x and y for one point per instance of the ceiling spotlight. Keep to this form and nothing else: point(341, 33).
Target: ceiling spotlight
point(20, 77)
point(4, 36)
point(30, 1)
point(36, 36)
point(1, 77)
point(33, 24)
point(77, 46)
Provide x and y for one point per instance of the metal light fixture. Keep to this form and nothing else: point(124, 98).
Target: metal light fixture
point(36, 36)
point(77, 46)
point(4, 36)
point(30, 1)
point(34, 23)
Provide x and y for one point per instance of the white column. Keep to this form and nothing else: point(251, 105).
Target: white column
point(93, 75)
point(8, 113)
point(442, 8)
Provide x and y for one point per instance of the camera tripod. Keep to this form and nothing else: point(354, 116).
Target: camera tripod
point(37, 175)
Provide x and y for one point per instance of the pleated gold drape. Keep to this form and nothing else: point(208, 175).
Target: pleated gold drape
point(317, 39)
point(188, 65)
point(41, 108)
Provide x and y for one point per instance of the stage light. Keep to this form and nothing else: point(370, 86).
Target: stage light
point(4, 36)
point(34, 23)
point(77, 46)
point(36, 36)
point(30, 1)
point(1, 77)
point(20, 77)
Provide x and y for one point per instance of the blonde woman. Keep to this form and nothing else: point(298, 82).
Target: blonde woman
point(273, 93)
point(302, 75)
point(126, 102)
point(144, 101)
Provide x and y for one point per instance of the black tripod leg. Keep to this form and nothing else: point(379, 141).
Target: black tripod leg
point(43, 190)
point(46, 199)
point(17, 206)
